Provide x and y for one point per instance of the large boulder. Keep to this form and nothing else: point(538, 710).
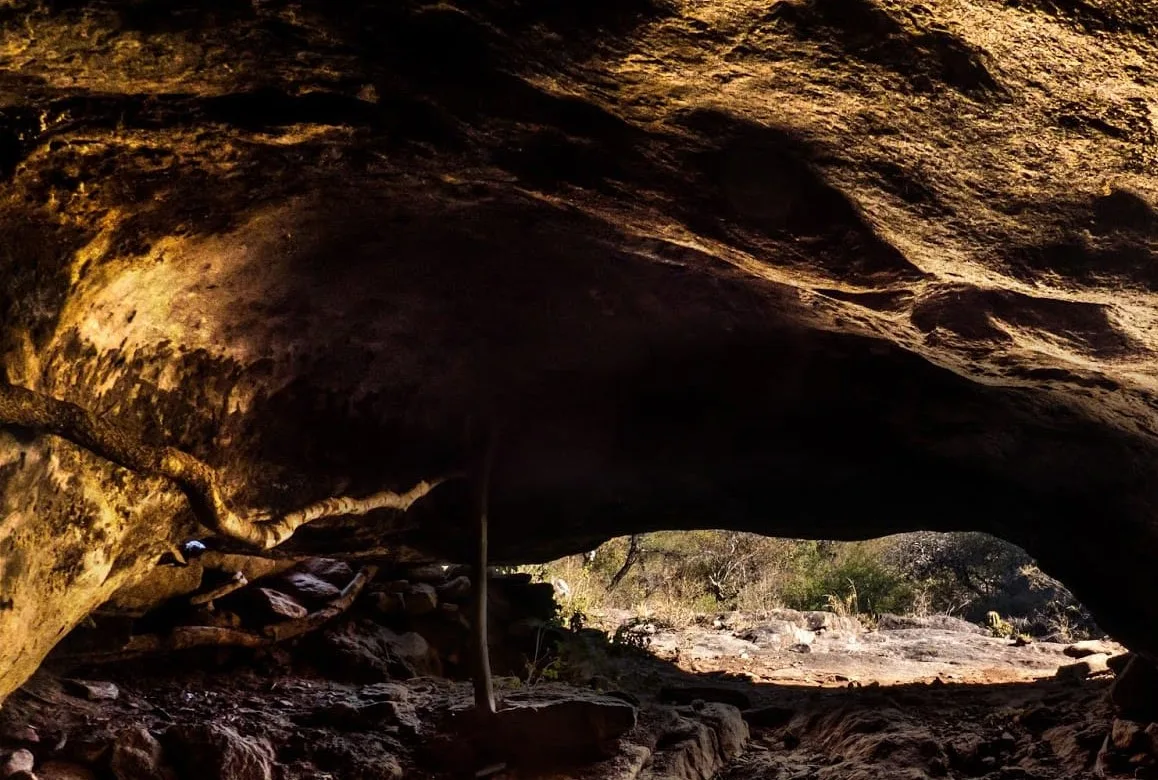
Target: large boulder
point(215, 750)
point(821, 268)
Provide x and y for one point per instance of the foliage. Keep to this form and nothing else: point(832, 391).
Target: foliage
point(851, 581)
point(674, 577)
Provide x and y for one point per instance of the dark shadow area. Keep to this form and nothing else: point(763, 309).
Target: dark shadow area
point(970, 313)
point(1119, 246)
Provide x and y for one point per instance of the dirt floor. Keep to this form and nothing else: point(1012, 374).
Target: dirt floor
point(910, 702)
point(368, 682)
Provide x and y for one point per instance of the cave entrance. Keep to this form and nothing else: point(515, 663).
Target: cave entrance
point(962, 606)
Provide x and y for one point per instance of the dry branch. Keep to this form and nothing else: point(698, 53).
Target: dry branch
point(190, 637)
point(282, 631)
point(201, 484)
point(484, 689)
point(237, 582)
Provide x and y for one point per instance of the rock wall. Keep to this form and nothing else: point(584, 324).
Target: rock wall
point(809, 268)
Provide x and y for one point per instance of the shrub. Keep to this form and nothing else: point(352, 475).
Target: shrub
point(675, 576)
point(852, 579)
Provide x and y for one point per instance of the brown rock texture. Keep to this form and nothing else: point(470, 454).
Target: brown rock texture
point(809, 267)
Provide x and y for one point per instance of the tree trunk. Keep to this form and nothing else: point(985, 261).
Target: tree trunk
point(634, 548)
point(484, 695)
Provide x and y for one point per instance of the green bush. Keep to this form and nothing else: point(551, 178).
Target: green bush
point(853, 578)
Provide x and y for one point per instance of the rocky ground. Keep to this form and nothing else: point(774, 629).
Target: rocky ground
point(369, 683)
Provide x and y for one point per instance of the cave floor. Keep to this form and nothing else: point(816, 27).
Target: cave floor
point(910, 703)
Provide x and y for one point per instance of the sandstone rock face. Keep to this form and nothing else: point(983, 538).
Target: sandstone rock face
point(808, 268)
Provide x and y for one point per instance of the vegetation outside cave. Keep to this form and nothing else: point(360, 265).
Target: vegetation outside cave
point(679, 577)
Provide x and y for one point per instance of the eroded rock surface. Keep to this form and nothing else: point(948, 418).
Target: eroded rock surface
point(805, 267)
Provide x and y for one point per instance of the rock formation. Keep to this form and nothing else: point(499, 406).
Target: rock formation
point(830, 268)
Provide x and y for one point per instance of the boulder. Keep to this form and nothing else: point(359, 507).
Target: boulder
point(214, 750)
point(536, 727)
point(93, 690)
point(1127, 735)
point(363, 651)
point(274, 605)
point(698, 745)
point(136, 755)
point(20, 760)
point(336, 572)
point(457, 589)
point(307, 589)
point(419, 599)
point(1134, 692)
point(1091, 647)
point(1087, 667)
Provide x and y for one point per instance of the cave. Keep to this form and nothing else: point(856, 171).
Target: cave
point(284, 280)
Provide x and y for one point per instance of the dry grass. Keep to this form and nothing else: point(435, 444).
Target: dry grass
point(682, 577)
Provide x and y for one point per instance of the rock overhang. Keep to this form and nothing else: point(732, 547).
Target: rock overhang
point(807, 269)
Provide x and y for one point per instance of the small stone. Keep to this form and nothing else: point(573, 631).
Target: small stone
point(136, 756)
point(277, 605)
point(420, 599)
point(307, 589)
point(60, 770)
point(337, 573)
point(93, 690)
point(395, 586)
point(20, 761)
point(456, 590)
